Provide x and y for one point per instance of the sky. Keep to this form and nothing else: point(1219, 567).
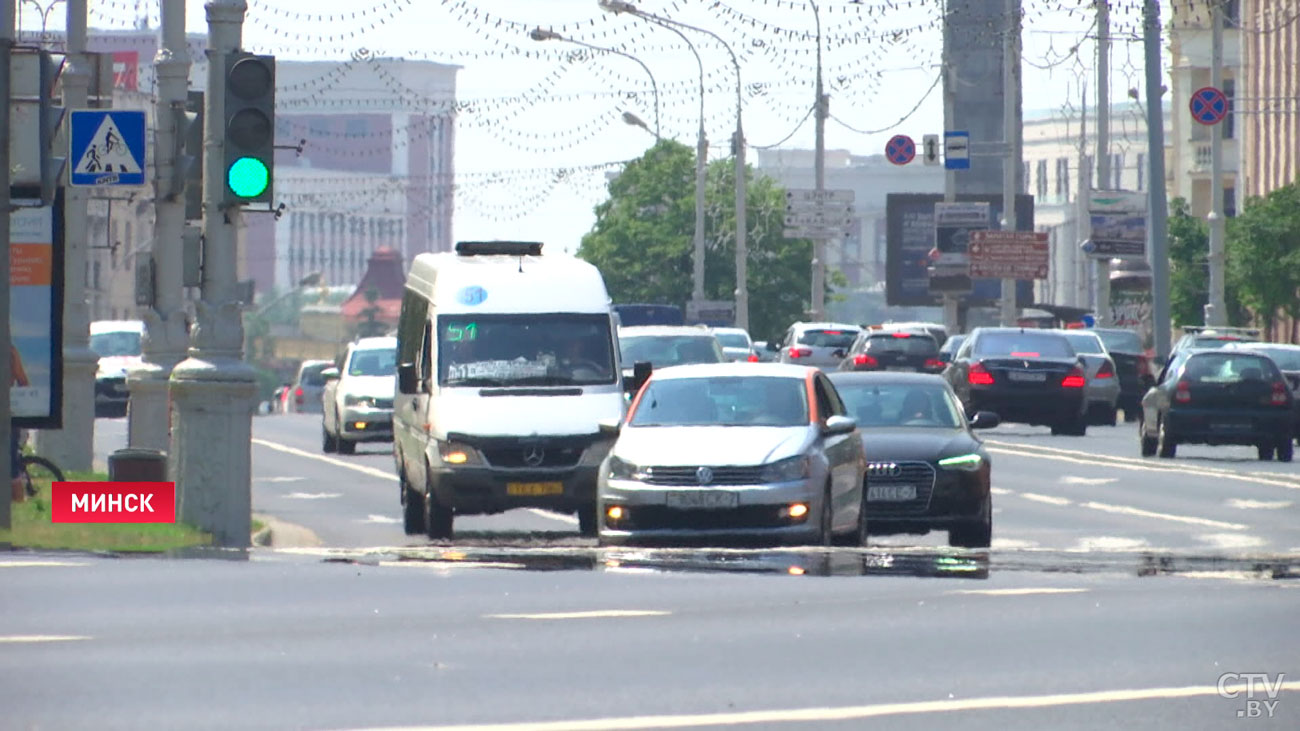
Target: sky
point(544, 123)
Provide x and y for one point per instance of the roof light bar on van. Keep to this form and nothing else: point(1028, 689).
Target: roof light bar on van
point(499, 248)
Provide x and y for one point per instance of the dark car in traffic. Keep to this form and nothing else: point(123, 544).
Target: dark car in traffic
point(896, 350)
point(1219, 397)
point(1287, 359)
point(1132, 365)
point(950, 348)
point(926, 469)
point(1023, 375)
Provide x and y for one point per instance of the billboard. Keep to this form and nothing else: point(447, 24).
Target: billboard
point(36, 311)
point(1119, 224)
point(910, 235)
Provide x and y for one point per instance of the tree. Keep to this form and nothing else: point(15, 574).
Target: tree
point(1264, 254)
point(643, 238)
point(1189, 274)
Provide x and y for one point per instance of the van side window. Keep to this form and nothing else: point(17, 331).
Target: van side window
point(410, 331)
point(425, 358)
point(824, 407)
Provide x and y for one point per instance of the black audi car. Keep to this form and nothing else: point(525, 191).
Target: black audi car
point(893, 350)
point(1023, 375)
point(926, 469)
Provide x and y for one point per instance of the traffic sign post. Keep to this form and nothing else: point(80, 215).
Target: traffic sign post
point(956, 150)
point(900, 149)
point(1009, 255)
point(1208, 105)
point(813, 214)
point(106, 147)
point(930, 149)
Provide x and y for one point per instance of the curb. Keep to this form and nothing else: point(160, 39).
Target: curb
point(279, 534)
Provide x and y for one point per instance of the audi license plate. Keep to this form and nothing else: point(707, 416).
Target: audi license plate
point(534, 489)
point(891, 493)
point(702, 499)
point(1027, 376)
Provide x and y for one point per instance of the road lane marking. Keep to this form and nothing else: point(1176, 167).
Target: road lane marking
point(1076, 480)
point(1026, 591)
point(445, 565)
point(1232, 540)
point(850, 713)
point(1109, 543)
point(371, 471)
point(597, 614)
point(1001, 491)
point(38, 564)
point(312, 495)
point(1140, 513)
point(373, 518)
point(16, 639)
point(1049, 499)
point(1011, 544)
point(279, 479)
point(1258, 504)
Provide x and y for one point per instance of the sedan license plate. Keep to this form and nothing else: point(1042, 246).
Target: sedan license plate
point(890, 493)
point(1230, 427)
point(534, 489)
point(1027, 376)
point(702, 499)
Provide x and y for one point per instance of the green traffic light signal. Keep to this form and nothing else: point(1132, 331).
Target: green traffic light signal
point(248, 177)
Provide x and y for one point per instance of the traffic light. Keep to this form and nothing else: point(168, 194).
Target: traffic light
point(189, 160)
point(250, 128)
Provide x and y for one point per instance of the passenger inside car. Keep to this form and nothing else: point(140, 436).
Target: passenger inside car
point(916, 409)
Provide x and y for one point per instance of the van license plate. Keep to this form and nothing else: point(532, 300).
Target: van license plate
point(702, 499)
point(533, 489)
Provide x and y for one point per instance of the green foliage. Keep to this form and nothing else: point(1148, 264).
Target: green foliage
point(642, 240)
point(1189, 273)
point(1263, 246)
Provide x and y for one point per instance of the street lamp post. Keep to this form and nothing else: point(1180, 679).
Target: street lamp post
point(539, 34)
point(738, 148)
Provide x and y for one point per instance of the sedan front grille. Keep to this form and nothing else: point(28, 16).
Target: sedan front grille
point(920, 475)
point(684, 476)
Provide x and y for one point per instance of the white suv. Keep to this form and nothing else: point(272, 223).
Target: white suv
point(358, 401)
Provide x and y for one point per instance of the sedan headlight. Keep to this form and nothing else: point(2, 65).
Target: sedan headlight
point(963, 462)
point(351, 400)
point(787, 470)
point(621, 469)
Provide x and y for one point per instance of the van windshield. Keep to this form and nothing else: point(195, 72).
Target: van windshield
point(115, 343)
point(525, 350)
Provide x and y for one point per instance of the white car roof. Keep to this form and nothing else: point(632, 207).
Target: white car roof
point(664, 330)
point(711, 370)
point(379, 343)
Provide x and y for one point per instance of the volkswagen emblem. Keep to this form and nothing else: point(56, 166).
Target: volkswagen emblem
point(884, 469)
point(703, 475)
point(534, 456)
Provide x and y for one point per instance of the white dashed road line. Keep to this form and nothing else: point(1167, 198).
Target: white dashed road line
point(598, 614)
point(1140, 513)
point(23, 639)
point(1049, 499)
point(1025, 591)
point(1258, 504)
point(39, 564)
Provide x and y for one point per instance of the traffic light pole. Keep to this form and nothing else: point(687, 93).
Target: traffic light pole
point(6, 378)
point(213, 390)
point(72, 446)
point(149, 422)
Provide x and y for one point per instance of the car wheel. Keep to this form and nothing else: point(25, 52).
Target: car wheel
point(862, 533)
point(977, 533)
point(1149, 444)
point(438, 518)
point(412, 507)
point(346, 447)
point(1265, 452)
point(329, 444)
point(826, 531)
point(1285, 450)
point(587, 525)
point(1166, 447)
point(1112, 416)
point(1131, 414)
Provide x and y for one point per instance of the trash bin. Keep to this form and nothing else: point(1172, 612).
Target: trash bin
point(137, 465)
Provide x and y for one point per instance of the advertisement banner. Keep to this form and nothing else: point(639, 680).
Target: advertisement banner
point(126, 70)
point(36, 312)
point(1119, 224)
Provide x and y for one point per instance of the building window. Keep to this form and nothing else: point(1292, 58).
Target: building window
point(1041, 176)
point(1229, 122)
point(1023, 185)
point(1062, 178)
point(1232, 14)
point(1229, 202)
point(1142, 171)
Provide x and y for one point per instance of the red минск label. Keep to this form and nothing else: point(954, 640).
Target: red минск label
point(113, 502)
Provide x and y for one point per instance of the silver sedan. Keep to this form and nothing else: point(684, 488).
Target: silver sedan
point(758, 451)
point(1102, 389)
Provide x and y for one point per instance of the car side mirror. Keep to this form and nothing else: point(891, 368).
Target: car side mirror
point(774, 346)
point(836, 425)
point(640, 374)
point(330, 374)
point(610, 427)
point(985, 420)
point(408, 379)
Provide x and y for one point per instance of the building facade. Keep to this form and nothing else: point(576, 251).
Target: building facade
point(1269, 109)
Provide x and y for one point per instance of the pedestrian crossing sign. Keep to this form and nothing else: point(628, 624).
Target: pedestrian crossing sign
point(106, 147)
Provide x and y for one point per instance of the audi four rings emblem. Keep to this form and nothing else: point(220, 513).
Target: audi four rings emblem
point(703, 475)
point(534, 456)
point(884, 469)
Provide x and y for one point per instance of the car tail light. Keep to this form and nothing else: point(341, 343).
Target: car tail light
point(1075, 379)
point(862, 360)
point(979, 375)
point(902, 335)
point(1106, 371)
point(1183, 392)
point(752, 358)
point(1279, 394)
point(800, 352)
point(298, 394)
point(934, 363)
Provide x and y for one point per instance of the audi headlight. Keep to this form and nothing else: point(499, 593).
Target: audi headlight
point(620, 469)
point(457, 454)
point(351, 400)
point(787, 470)
point(963, 462)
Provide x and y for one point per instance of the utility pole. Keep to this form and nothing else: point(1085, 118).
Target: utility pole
point(1103, 149)
point(72, 445)
point(213, 390)
point(6, 377)
point(149, 422)
point(1216, 311)
point(742, 246)
point(1157, 207)
point(819, 167)
point(951, 316)
point(1011, 135)
point(1081, 261)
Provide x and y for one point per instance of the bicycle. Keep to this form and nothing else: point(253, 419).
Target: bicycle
point(34, 469)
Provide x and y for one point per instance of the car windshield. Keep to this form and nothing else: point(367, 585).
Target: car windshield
point(1285, 358)
point(1086, 343)
point(670, 350)
point(828, 338)
point(372, 362)
point(1023, 345)
point(522, 350)
point(1216, 341)
point(117, 343)
point(1122, 341)
point(900, 404)
point(311, 375)
point(1227, 367)
point(952, 344)
point(732, 340)
point(906, 343)
point(723, 401)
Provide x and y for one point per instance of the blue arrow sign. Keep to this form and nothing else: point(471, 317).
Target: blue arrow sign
point(106, 147)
